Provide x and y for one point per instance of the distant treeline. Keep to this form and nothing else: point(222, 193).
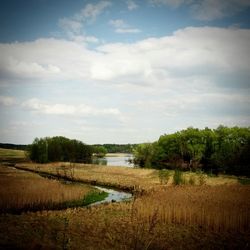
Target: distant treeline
point(118, 148)
point(13, 146)
point(110, 148)
point(225, 150)
point(59, 148)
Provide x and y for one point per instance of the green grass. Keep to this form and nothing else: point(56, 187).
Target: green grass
point(12, 154)
point(244, 181)
point(178, 177)
point(94, 197)
point(88, 199)
point(164, 176)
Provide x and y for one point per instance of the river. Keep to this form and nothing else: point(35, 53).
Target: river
point(114, 195)
point(121, 160)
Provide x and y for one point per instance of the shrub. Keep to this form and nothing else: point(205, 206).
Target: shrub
point(164, 176)
point(178, 177)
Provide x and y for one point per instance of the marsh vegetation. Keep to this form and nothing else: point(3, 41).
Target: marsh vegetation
point(161, 215)
point(22, 191)
point(198, 208)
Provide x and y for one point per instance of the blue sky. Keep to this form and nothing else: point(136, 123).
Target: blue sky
point(122, 71)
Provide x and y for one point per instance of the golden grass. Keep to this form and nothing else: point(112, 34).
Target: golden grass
point(20, 189)
point(162, 217)
point(211, 216)
point(216, 208)
point(121, 177)
point(166, 218)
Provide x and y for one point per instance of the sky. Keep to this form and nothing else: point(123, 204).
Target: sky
point(122, 71)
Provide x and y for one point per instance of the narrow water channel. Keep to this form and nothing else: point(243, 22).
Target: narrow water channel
point(114, 195)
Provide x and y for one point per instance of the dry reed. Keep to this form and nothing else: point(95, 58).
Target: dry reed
point(21, 190)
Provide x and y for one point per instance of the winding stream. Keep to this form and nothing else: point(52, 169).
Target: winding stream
point(114, 195)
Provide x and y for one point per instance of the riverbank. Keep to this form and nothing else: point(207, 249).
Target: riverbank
point(23, 191)
point(190, 217)
point(127, 179)
point(209, 213)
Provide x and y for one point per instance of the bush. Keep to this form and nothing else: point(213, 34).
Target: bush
point(164, 176)
point(178, 177)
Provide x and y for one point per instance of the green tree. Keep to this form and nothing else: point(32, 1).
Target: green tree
point(100, 151)
point(39, 150)
point(143, 155)
point(59, 149)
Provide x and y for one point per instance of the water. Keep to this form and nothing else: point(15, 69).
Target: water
point(113, 196)
point(119, 160)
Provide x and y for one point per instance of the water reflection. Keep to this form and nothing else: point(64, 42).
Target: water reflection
point(113, 196)
point(99, 161)
point(119, 160)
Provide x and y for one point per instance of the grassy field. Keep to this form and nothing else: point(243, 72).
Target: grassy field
point(202, 213)
point(122, 177)
point(173, 218)
point(12, 154)
point(22, 191)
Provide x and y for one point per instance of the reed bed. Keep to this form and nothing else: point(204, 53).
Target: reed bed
point(215, 208)
point(165, 217)
point(122, 177)
point(21, 190)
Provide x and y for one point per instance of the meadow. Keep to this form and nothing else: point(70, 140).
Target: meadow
point(24, 191)
point(125, 178)
point(201, 212)
point(12, 155)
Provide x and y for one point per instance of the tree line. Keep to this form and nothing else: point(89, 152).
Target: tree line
point(59, 148)
point(225, 150)
point(118, 148)
point(13, 146)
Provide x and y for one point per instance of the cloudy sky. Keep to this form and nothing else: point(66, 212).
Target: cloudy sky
point(122, 71)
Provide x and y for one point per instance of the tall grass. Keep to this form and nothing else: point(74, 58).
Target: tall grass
point(178, 177)
point(162, 217)
point(119, 177)
point(164, 176)
point(212, 208)
point(26, 191)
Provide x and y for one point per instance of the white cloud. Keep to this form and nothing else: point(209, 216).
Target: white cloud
point(70, 26)
point(118, 23)
point(86, 39)
point(207, 51)
point(91, 11)
point(122, 27)
point(190, 51)
point(131, 5)
point(39, 106)
point(74, 26)
point(127, 30)
point(7, 100)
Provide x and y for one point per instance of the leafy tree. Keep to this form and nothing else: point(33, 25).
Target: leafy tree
point(39, 150)
point(143, 155)
point(59, 149)
point(219, 150)
point(100, 151)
